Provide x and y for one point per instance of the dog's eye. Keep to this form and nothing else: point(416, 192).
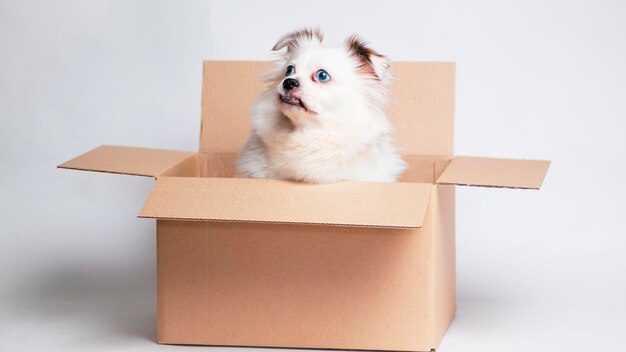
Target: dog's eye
point(322, 76)
point(291, 69)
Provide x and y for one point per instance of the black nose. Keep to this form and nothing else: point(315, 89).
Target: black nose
point(290, 84)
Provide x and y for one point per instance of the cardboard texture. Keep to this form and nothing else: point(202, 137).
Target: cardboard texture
point(351, 265)
point(253, 200)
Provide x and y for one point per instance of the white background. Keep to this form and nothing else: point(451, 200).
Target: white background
point(536, 79)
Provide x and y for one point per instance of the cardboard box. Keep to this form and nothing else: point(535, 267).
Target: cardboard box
point(351, 265)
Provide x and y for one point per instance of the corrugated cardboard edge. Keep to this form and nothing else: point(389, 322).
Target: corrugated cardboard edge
point(165, 342)
point(279, 222)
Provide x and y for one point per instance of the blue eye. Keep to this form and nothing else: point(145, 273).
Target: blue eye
point(322, 76)
point(291, 69)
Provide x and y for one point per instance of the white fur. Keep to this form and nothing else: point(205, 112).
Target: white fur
point(344, 133)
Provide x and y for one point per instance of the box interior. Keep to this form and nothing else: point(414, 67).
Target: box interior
point(420, 169)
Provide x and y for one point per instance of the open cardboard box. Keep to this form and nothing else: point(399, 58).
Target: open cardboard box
point(350, 265)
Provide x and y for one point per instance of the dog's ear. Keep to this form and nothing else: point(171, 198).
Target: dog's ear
point(298, 38)
point(370, 61)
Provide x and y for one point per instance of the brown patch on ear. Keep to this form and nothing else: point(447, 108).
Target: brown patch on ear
point(294, 39)
point(363, 54)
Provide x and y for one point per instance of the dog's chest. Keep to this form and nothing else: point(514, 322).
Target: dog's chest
point(314, 155)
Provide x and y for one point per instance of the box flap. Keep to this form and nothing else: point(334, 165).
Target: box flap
point(127, 160)
point(421, 107)
point(394, 205)
point(490, 172)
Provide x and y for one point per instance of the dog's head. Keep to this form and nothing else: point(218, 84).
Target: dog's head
point(315, 84)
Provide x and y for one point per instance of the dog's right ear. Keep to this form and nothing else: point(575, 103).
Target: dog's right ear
point(305, 36)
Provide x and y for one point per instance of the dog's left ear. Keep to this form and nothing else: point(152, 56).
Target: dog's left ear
point(299, 38)
point(370, 61)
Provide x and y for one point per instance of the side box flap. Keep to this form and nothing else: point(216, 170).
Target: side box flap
point(394, 205)
point(490, 172)
point(127, 160)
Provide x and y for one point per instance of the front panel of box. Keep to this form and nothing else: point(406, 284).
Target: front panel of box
point(294, 286)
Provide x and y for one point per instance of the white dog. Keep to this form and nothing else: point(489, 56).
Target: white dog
point(321, 119)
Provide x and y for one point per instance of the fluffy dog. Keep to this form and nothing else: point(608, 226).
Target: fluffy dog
point(322, 118)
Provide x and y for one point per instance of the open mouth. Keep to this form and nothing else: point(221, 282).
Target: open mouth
point(292, 102)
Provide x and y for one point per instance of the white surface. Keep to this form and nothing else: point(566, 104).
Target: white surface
point(536, 79)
